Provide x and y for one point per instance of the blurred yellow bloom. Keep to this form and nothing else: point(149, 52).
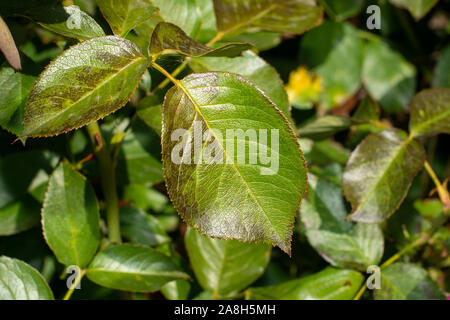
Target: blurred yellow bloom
point(303, 89)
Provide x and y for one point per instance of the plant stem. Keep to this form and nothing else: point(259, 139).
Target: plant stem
point(443, 193)
point(108, 177)
point(164, 72)
point(74, 285)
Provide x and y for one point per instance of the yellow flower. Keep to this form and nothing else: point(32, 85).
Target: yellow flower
point(303, 89)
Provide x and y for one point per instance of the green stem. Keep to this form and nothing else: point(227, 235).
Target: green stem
point(74, 285)
point(108, 177)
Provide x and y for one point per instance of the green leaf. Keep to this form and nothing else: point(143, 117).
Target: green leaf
point(19, 281)
point(14, 89)
point(133, 268)
point(176, 290)
point(22, 176)
point(325, 127)
point(341, 243)
point(225, 266)
point(293, 16)
point(167, 38)
point(252, 68)
point(379, 174)
point(405, 281)
point(141, 228)
point(430, 112)
point(85, 83)
point(70, 217)
point(418, 8)
point(150, 111)
point(183, 13)
point(341, 10)
point(139, 158)
point(329, 284)
point(262, 40)
point(8, 46)
point(334, 50)
point(442, 72)
point(367, 111)
point(223, 193)
point(125, 15)
point(388, 77)
point(68, 21)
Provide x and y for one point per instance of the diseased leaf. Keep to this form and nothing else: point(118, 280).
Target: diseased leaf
point(379, 174)
point(85, 83)
point(225, 266)
point(293, 16)
point(329, 284)
point(430, 112)
point(133, 268)
point(14, 89)
point(341, 243)
point(406, 281)
point(8, 46)
point(141, 228)
point(442, 72)
point(19, 281)
point(68, 21)
point(388, 77)
point(125, 15)
point(334, 50)
point(70, 217)
point(221, 192)
point(325, 127)
point(252, 68)
point(167, 38)
point(418, 8)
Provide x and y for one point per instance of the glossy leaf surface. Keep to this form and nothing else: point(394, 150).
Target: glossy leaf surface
point(87, 82)
point(379, 174)
point(219, 192)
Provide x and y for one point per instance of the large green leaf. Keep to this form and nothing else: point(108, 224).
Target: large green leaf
point(334, 50)
point(19, 281)
point(405, 281)
point(252, 68)
point(85, 83)
point(293, 16)
point(23, 179)
point(418, 8)
point(70, 217)
point(68, 21)
point(387, 76)
point(379, 174)
point(223, 193)
point(225, 266)
point(341, 243)
point(442, 72)
point(141, 228)
point(430, 112)
point(167, 38)
point(14, 89)
point(133, 268)
point(329, 284)
point(125, 15)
